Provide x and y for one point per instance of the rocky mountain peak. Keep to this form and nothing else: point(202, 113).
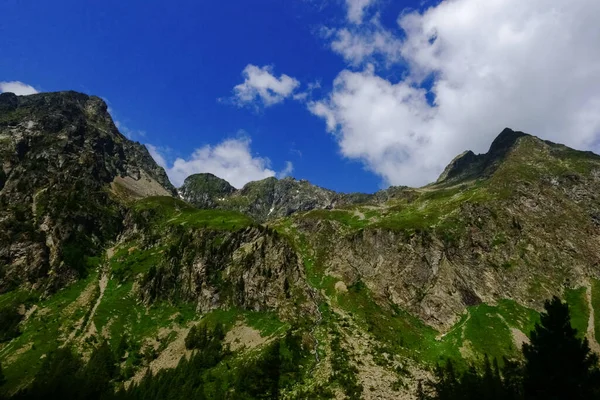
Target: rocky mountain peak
point(205, 190)
point(469, 165)
point(64, 167)
point(267, 199)
point(504, 141)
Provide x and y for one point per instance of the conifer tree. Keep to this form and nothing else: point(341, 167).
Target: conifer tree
point(558, 364)
point(2, 378)
point(98, 372)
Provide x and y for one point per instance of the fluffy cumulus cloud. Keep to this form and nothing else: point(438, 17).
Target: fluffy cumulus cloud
point(231, 160)
point(18, 88)
point(530, 65)
point(261, 86)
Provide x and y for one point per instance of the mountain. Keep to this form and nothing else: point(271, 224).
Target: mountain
point(264, 200)
point(205, 190)
point(336, 295)
point(63, 160)
point(469, 166)
point(272, 198)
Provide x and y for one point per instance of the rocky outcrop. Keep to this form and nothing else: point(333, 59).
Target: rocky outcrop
point(250, 268)
point(205, 190)
point(526, 231)
point(264, 200)
point(468, 165)
point(272, 198)
point(60, 153)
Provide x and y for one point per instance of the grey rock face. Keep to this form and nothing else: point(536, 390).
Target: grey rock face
point(468, 165)
point(59, 153)
point(264, 200)
point(205, 190)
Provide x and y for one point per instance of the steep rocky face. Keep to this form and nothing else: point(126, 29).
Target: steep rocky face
point(61, 154)
point(272, 198)
point(205, 190)
point(264, 200)
point(468, 165)
point(214, 259)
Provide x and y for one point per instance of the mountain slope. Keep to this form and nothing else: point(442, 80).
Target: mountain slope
point(272, 198)
point(60, 153)
point(373, 289)
point(502, 234)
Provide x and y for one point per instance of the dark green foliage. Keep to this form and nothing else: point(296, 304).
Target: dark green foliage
point(58, 377)
point(187, 381)
point(200, 337)
point(473, 384)
point(276, 369)
point(558, 364)
point(260, 379)
point(64, 376)
point(123, 346)
point(208, 374)
point(74, 255)
point(9, 322)
point(2, 378)
point(98, 373)
point(344, 373)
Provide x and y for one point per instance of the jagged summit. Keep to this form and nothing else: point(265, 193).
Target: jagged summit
point(504, 141)
point(469, 165)
point(267, 199)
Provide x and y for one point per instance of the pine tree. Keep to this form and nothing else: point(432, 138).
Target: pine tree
point(2, 382)
point(558, 364)
point(421, 392)
point(98, 372)
point(2, 378)
point(446, 382)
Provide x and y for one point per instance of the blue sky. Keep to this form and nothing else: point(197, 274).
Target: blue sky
point(352, 95)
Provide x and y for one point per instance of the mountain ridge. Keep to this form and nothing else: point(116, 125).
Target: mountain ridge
point(375, 289)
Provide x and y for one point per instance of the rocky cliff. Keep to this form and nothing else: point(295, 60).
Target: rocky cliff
point(61, 154)
point(268, 199)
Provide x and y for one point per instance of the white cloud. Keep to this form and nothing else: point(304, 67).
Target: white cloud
point(530, 65)
point(231, 160)
point(157, 155)
point(18, 88)
point(286, 171)
point(307, 94)
point(260, 85)
point(356, 9)
point(360, 44)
